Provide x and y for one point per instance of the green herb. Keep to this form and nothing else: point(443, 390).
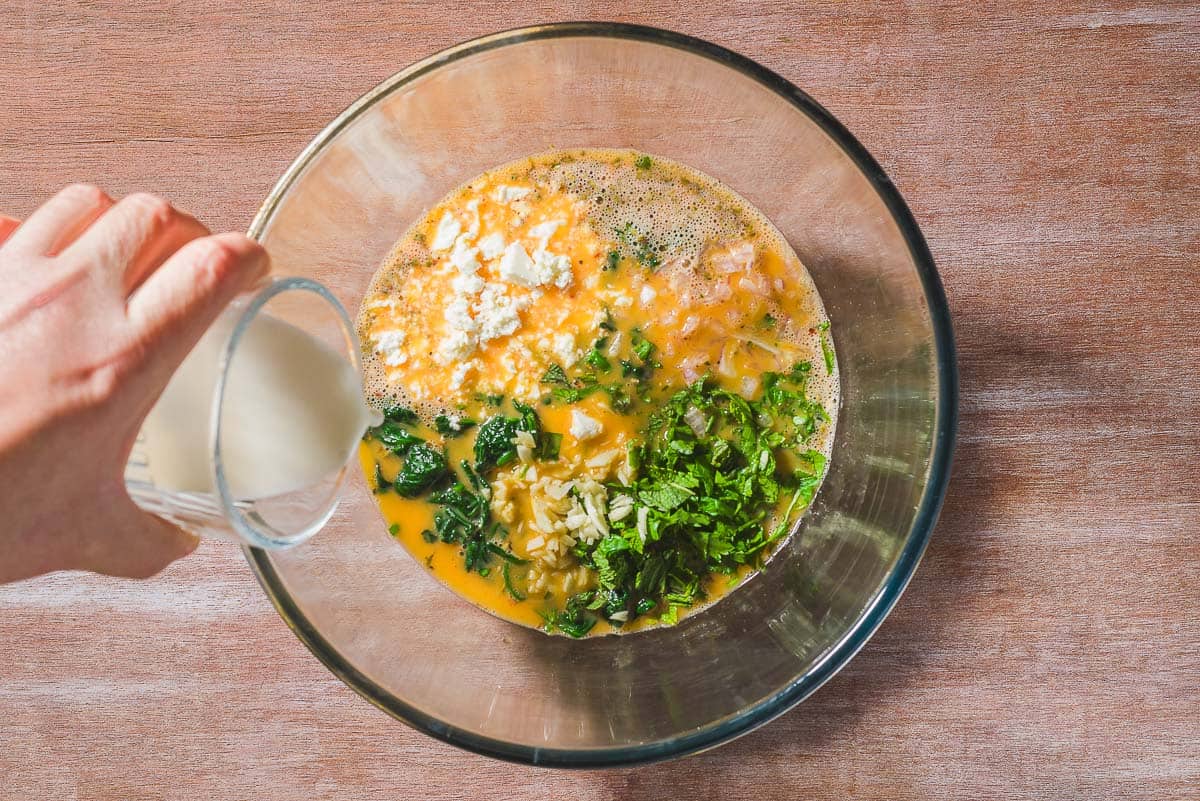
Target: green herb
point(618, 398)
point(394, 437)
point(400, 414)
point(597, 359)
point(607, 323)
point(574, 620)
point(574, 394)
point(643, 162)
point(555, 375)
point(423, 467)
point(826, 347)
point(508, 585)
point(381, 483)
point(613, 260)
point(429, 536)
point(494, 443)
point(451, 428)
point(768, 321)
point(394, 529)
point(507, 556)
point(643, 347)
point(638, 244)
point(490, 400)
point(546, 443)
point(465, 518)
point(713, 469)
point(631, 370)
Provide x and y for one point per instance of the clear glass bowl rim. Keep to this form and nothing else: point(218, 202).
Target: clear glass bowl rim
point(784, 699)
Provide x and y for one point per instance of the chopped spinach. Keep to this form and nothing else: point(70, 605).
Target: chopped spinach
point(494, 443)
point(451, 427)
point(400, 414)
point(423, 467)
point(465, 518)
point(394, 437)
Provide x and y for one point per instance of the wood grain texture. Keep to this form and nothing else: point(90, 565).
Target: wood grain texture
point(1048, 647)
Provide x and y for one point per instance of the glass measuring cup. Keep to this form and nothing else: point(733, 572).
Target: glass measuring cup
point(254, 438)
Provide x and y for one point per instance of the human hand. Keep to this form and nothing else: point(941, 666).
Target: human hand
point(99, 303)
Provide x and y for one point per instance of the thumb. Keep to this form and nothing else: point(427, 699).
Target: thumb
point(137, 544)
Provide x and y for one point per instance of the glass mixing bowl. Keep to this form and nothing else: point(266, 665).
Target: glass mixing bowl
point(387, 628)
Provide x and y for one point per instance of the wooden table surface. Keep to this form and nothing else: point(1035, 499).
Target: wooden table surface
point(1049, 645)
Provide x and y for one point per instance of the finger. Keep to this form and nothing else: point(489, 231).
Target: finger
point(137, 544)
point(60, 220)
point(7, 226)
point(135, 237)
point(176, 304)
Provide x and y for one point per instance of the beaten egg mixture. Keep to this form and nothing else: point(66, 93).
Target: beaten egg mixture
point(608, 386)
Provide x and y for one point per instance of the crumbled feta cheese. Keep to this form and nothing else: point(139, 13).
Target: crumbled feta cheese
point(491, 245)
point(467, 284)
point(648, 294)
point(473, 210)
point(622, 301)
point(459, 375)
point(505, 193)
point(496, 313)
point(564, 348)
point(519, 349)
point(388, 345)
point(456, 346)
point(553, 268)
point(583, 427)
point(389, 340)
point(448, 229)
point(464, 256)
point(543, 231)
point(517, 267)
point(458, 315)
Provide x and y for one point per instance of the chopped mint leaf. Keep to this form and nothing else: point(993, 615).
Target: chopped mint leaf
point(643, 162)
point(555, 375)
point(719, 479)
point(597, 359)
point(643, 347)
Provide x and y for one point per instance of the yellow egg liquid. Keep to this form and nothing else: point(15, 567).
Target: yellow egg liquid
point(657, 253)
